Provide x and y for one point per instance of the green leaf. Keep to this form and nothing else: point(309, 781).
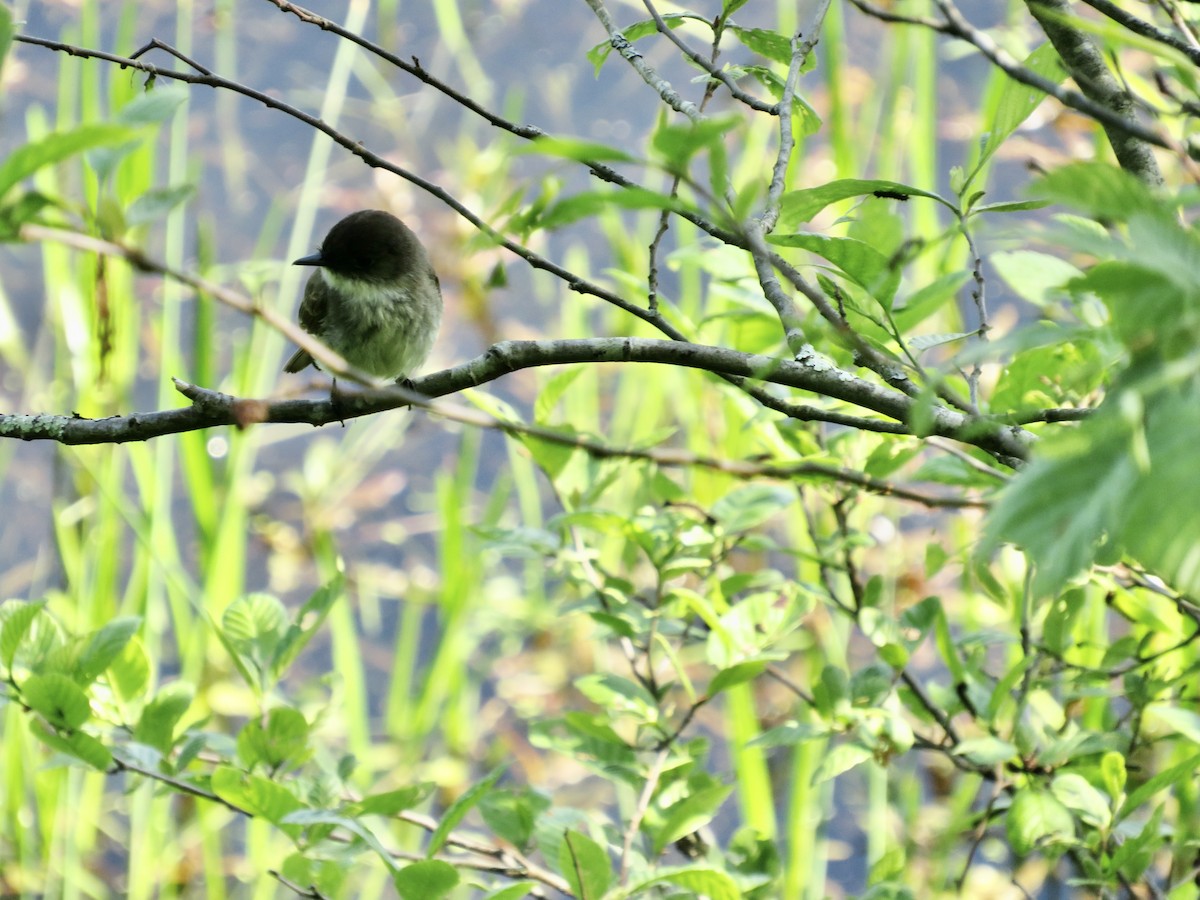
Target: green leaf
point(429, 879)
point(798, 207)
point(54, 148)
point(750, 506)
point(739, 673)
point(552, 391)
point(56, 698)
point(616, 694)
point(1033, 276)
point(78, 744)
point(6, 34)
point(1163, 780)
point(1037, 817)
point(1100, 190)
point(156, 725)
point(518, 891)
point(1018, 101)
point(129, 673)
point(675, 145)
point(841, 759)
point(251, 630)
point(16, 620)
point(306, 623)
point(832, 691)
point(859, 261)
point(1077, 794)
point(1112, 770)
point(711, 883)
point(156, 203)
point(153, 107)
point(599, 53)
point(295, 822)
point(512, 814)
point(985, 751)
point(254, 621)
point(256, 795)
point(104, 646)
point(770, 44)
point(585, 865)
point(281, 742)
point(690, 814)
point(576, 149)
point(590, 203)
point(389, 803)
point(460, 807)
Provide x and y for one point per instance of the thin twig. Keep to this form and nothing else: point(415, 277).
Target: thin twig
point(649, 75)
point(639, 811)
point(710, 67)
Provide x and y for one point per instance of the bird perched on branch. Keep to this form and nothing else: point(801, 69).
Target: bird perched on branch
point(374, 299)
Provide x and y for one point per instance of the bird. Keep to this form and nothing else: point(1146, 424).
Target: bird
point(375, 299)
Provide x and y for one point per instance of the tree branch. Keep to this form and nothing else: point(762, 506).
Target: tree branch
point(811, 373)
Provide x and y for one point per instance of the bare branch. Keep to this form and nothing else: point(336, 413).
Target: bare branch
point(622, 45)
point(720, 75)
point(212, 409)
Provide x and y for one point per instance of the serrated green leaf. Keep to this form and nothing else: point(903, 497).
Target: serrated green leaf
point(676, 144)
point(518, 891)
point(798, 207)
point(711, 883)
point(922, 342)
point(985, 751)
point(129, 673)
point(750, 506)
point(599, 53)
point(552, 391)
point(298, 820)
point(16, 620)
point(257, 795)
point(739, 673)
point(690, 814)
point(1010, 206)
point(1034, 817)
point(585, 865)
point(1076, 793)
point(104, 646)
point(1101, 190)
point(429, 879)
point(306, 623)
point(840, 759)
point(78, 744)
point(576, 149)
point(591, 203)
point(156, 725)
point(389, 803)
point(156, 204)
point(57, 698)
point(512, 814)
point(1018, 101)
point(1112, 770)
point(616, 694)
point(460, 807)
point(153, 107)
point(282, 741)
point(769, 44)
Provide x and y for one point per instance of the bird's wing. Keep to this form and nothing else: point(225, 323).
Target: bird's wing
point(312, 313)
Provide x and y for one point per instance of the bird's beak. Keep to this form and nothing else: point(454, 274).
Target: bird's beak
point(313, 259)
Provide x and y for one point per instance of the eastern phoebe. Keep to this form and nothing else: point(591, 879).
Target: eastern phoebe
point(375, 298)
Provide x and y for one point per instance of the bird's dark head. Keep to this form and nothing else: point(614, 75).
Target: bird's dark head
point(370, 245)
